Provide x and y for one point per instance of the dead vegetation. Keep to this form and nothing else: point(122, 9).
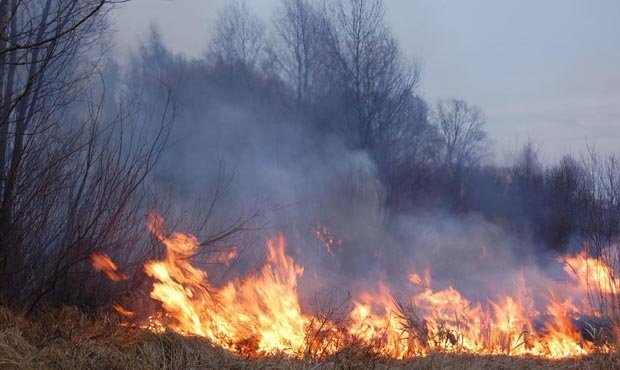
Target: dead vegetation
point(67, 338)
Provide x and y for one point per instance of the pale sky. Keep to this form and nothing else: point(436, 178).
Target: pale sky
point(546, 70)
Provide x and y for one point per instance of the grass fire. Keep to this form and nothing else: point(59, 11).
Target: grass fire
point(309, 184)
point(261, 314)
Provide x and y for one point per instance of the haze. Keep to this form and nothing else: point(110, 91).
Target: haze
point(544, 71)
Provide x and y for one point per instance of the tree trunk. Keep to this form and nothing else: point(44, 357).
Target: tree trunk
point(10, 250)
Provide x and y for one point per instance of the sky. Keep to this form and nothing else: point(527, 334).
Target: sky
point(545, 71)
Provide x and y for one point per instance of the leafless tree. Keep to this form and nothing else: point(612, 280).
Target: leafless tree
point(100, 198)
point(406, 155)
point(72, 176)
point(297, 25)
point(601, 193)
point(563, 184)
point(41, 76)
point(461, 128)
point(239, 37)
point(599, 219)
point(366, 66)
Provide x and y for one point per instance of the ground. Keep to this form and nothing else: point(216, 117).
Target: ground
point(69, 339)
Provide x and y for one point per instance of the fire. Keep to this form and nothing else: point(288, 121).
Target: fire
point(262, 313)
point(424, 280)
point(103, 263)
point(592, 274)
point(325, 236)
point(223, 257)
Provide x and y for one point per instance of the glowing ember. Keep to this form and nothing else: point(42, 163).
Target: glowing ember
point(327, 239)
point(261, 314)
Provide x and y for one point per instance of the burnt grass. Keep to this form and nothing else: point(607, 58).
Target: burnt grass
point(67, 338)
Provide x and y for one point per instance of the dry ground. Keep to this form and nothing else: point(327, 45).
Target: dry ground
point(68, 339)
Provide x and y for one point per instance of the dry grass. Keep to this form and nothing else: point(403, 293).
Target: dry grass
point(68, 339)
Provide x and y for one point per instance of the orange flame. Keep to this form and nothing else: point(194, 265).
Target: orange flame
point(262, 314)
point(592, 274)
point(101, 262)
point(328, 240)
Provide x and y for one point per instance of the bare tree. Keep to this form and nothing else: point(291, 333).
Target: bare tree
point(365, 64)
point(297, 25)
point(563, 184)
point(599, 221)
point(461, 128)
point(98, 201)
point(405, 155)
point(239, 37)
point(72, 177)
point(40, 42)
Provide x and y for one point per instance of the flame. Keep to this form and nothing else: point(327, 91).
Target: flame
point(592, 274)
point(104, 263)
point(123, 311)
point(424, 280)
point(222, 257)
point(261, 314)
point(325, 236)
point(415, 279)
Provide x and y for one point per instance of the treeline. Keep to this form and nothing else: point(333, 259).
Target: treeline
point(321, 98)
point(336, 70)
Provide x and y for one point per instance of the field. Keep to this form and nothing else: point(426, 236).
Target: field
point(69, 339)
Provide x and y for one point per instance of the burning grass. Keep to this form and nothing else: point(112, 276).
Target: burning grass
point(259, 320)
point(262, 314)
point(67, 338)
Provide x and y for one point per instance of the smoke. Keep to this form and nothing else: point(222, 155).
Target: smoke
point(238, 134)
point(305, 179)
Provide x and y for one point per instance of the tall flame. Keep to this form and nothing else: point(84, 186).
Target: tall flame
point(260, 313)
